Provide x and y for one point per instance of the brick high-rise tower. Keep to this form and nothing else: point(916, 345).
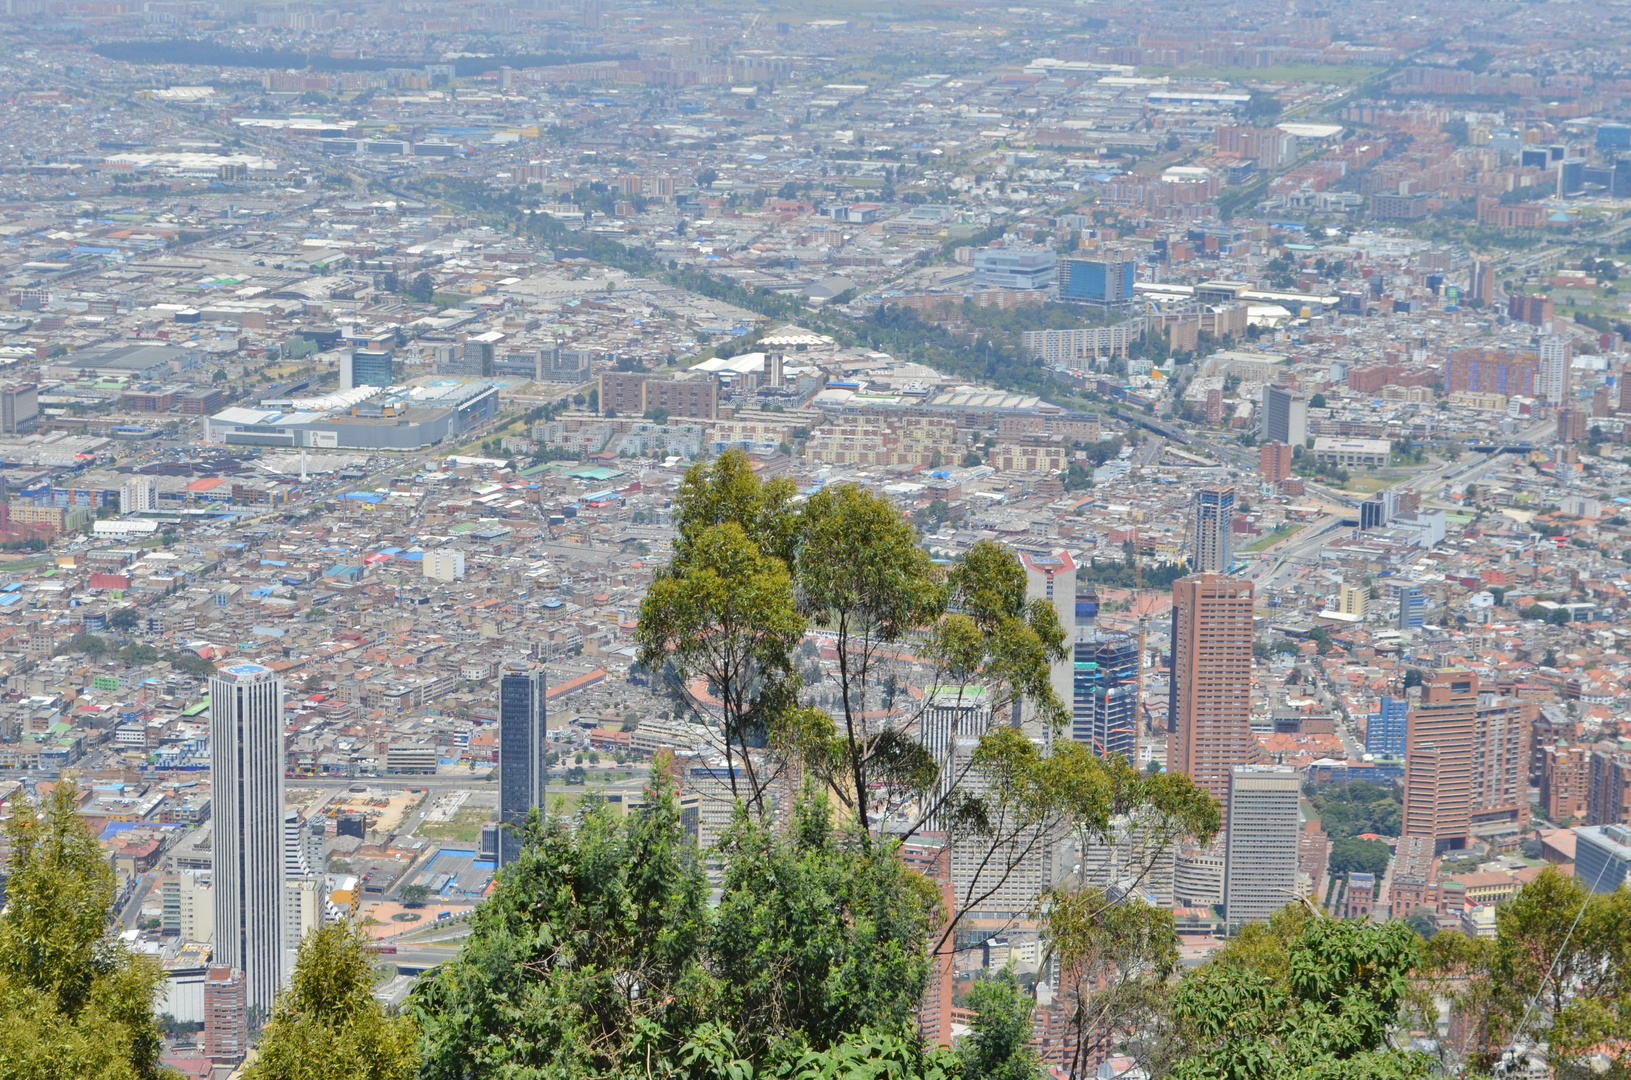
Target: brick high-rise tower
point(1439, 760)
point(1210, 700)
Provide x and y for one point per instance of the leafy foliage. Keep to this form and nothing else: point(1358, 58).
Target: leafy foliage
point(1359, 807)
point(597, 954)
point(72, 1003)
point(328, 1024)
point(1307, 996)
point(999, 1047)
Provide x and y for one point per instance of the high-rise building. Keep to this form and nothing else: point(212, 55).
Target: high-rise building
point(1104, 699)
point(1412, 607)
point(1602, 856)
point(226, 1015)
point(1481, 282)
point(1573, 424)
point(138, 495)
point(19, 407)
point(1500, 761)
point(1213, 516)
point(1379, 510)
point(1260, 858)
point(365, 367)
point(1209, 707)
point(444, 564)
point(1353, 600)
point(1609, 799)
point(522, 744)
point(1104, 282)
point(1556, 355)
point(1565, 782)
point(247, 842)
point(1438, 760)
point(1285, 416)
point(1052, 578)
point(1274, 462)
point(1387, 728)
point(949, 728)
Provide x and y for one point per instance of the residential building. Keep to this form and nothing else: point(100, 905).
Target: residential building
point(19, 407)
point(1556, 356)
point(246, 843)
point(1209, 705)
point(522, 743)
point(444, 563)
point(632, 393)
point(1274, 461)
point(949, 729)
point(1353, 600)
point(1439, 760)
point(1386, 729)
point(1565, 783)
point(1260, 857)
point(226, 1015)
point(1210, 524)
point(1610, 790)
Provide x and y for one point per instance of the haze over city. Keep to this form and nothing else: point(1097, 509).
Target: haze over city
point(702, 540)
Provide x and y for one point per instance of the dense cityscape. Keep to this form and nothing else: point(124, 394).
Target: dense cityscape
point(814, 541)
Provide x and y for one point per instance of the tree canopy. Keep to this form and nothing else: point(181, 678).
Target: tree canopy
point(72, 1002)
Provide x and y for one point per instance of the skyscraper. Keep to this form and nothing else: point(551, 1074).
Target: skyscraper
point(522, 742)
point(950, 728)
point(1556, 355)
point(1210, 703)
point(1053, 578)
point(1260, 860)
point(1285, 416)
point(1438, 760)
point(247, 844)
point(1104, 705)
point(1214, 513)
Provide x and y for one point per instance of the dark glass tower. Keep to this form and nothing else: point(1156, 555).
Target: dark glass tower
point(1105, 693)
point(521, 748)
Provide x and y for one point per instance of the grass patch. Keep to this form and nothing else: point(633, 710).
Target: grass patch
point(465, 828)
point(1370, 485)
point(1270, 539)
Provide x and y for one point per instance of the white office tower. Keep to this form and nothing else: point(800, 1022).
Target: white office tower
point(949, 729)
point(1556, 357)
point(1260, 859)
point(248, 842)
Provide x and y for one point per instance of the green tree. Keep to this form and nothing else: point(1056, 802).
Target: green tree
point(422, 288)
point(124, 619)
point(1312, 997)
point(413, 895)
point(1350, 854)
point(998, 1045)
point(72, 1002)
point(89, 645)
point(327, 1024)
